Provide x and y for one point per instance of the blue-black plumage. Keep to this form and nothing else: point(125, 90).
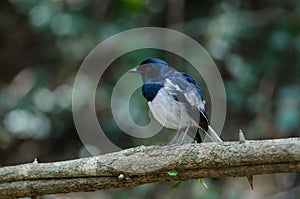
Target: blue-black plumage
point(150, 90)
point(175, 99)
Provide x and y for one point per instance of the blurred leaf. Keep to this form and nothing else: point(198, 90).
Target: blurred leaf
point(173, 173)
point(202, 182)
point(176, 185)
point(288, 108)
point(133, 4)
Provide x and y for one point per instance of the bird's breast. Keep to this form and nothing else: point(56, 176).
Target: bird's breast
point(169, 112)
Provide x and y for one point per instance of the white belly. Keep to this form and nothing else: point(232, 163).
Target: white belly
point(169, 112)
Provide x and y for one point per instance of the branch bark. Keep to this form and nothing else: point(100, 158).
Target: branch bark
point(141, 165)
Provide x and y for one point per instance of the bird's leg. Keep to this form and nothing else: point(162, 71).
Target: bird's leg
point(212, 134)
point(185, 132)
point(180, 135)
point(176, 137)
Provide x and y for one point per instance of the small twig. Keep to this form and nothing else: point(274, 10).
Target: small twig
point(241, 136)
point(243, 140)
point(250, 180)
point(35, 161)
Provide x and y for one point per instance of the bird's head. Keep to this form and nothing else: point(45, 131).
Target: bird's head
point(153, 70)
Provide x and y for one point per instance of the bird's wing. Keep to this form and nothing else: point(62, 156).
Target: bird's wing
point(194, 83)
point(185, 84)
point(185, 90)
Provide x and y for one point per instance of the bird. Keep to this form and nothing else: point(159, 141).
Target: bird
point(175, 100)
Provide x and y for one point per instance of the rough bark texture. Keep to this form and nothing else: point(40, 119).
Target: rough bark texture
point(141, 165)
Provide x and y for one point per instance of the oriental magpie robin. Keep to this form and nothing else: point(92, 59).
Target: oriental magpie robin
point(175, 100)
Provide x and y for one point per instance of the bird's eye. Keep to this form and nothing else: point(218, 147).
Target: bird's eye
point(147, 68)
point(153, 71)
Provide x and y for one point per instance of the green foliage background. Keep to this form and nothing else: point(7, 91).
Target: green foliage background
point(255, 44)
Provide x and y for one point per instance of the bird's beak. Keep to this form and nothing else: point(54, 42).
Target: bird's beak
point(133, 70)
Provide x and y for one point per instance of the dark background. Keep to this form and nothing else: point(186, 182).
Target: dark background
point(255, 44)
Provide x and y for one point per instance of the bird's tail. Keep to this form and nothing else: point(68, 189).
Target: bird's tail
point(212, 134)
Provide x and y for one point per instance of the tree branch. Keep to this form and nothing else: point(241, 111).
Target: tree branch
point(141, 165)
